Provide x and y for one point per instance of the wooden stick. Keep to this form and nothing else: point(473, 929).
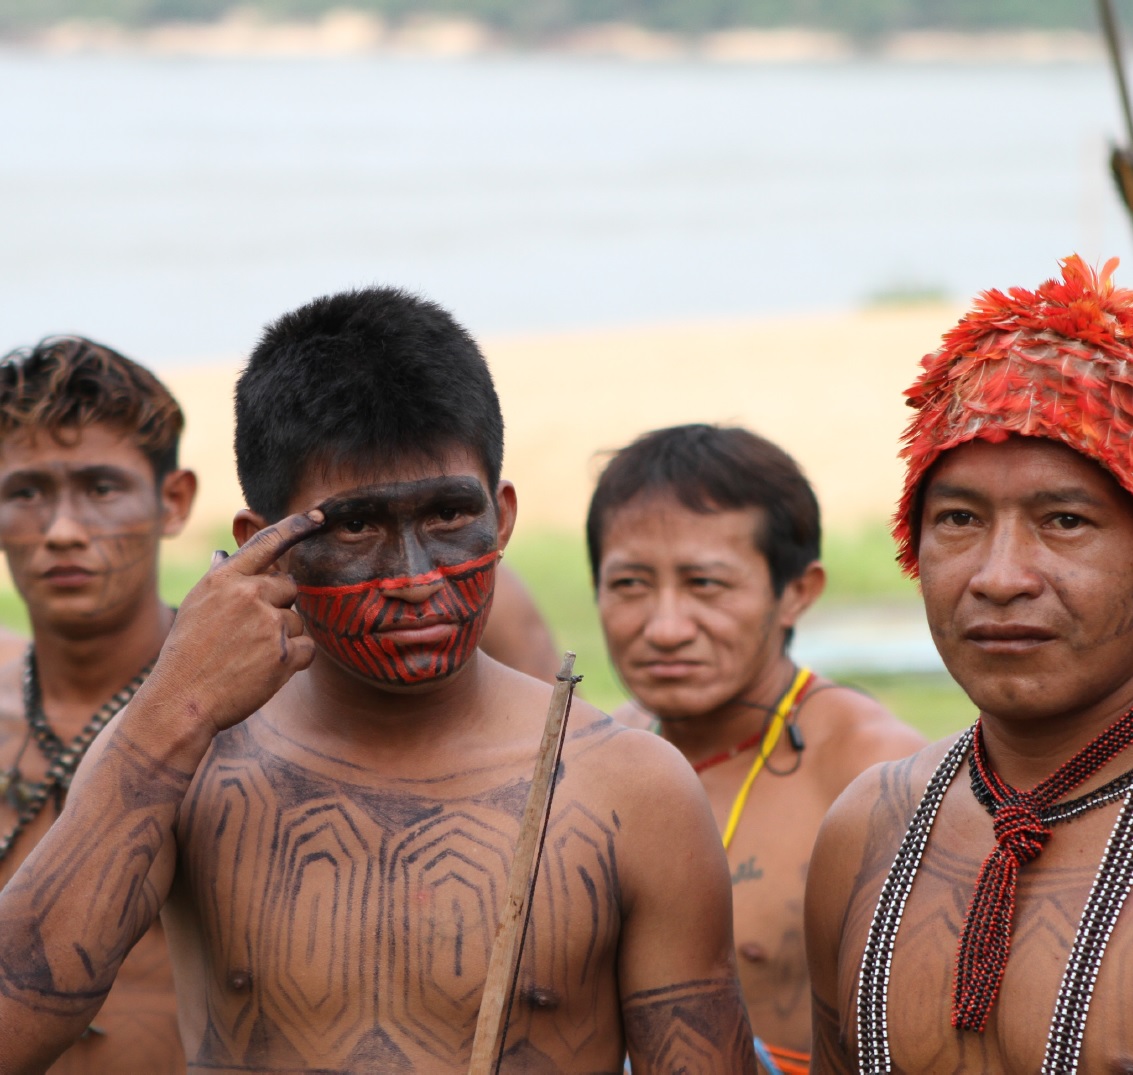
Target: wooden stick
point(1113, 43)
point(508, 948)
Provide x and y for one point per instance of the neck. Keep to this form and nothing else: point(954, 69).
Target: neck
point(699, 736)
point(392, 728)
point(79, 671)
point(1025, 751)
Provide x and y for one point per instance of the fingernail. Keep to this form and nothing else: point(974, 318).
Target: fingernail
point(219, 557)
point(316, 516)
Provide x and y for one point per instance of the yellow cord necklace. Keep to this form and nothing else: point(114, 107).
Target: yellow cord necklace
point(766, 747)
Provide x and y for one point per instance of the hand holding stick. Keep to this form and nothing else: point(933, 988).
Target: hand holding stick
point(503, 968)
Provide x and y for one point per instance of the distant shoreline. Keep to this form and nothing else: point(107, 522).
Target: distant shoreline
point(353, 33)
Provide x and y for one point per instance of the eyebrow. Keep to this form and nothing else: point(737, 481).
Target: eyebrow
point(91, 470)
point(687, 568)
point(431, 490)
point(1071, 494)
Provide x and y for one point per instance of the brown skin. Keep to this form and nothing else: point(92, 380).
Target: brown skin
point(80, 525)
point(517, 634)
point(695, 630)
point(1025, 559)
point(334, 864)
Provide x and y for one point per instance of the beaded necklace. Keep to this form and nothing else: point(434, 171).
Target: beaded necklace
point(1111, 886)
point(63, 757)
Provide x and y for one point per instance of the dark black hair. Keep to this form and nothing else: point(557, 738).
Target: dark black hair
point(359, 376)
point(709, 468)
point(65, 383)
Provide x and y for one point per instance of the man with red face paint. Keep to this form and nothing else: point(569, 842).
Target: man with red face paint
point(89, 485)
point(323, 779)
point(967, 908)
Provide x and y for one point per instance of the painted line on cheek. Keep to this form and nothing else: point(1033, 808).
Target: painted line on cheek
point(405, 582)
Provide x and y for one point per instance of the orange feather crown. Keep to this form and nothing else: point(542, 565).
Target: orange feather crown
point(1056, 362)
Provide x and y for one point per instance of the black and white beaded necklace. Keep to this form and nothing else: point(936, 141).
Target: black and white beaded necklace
point(1112, 884)
point(63, 758)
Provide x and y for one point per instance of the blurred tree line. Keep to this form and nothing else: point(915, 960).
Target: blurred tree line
point(539, 18)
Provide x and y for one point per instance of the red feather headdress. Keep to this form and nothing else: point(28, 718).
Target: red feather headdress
point(1056, 362)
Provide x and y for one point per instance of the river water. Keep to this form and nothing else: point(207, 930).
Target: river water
point(172, 205)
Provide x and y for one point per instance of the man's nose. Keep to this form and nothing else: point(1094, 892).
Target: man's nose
point(670, 623)
point(1008, 567)
point(414, 577)
point(65, 526)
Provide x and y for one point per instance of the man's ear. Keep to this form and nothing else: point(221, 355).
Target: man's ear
point(245, 524)
point(800, 593)
point(505, 513)
point(177, 492)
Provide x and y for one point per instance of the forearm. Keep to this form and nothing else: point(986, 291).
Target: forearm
point(92, 886)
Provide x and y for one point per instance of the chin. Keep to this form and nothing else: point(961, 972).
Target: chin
point(677, 704)
point(1019, 702)
point(425, 684)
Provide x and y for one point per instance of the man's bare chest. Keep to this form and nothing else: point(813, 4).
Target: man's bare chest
point(331, 911)
point(1049, 901)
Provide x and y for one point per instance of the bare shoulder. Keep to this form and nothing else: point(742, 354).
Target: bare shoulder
point(857, 841)
point(633, 716)
point(847, 732)
point(873, 810)
point(12, 722)
point(12, 645)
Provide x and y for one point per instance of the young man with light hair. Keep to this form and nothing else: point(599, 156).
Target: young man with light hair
point(89, 486)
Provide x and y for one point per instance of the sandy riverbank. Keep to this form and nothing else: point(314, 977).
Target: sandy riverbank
point(827, 387)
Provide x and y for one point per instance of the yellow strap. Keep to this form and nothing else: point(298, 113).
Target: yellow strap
point(766, 747)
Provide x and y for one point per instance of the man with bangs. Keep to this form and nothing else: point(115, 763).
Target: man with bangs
point(89, 486)
point(704, 552)
point(323, 779)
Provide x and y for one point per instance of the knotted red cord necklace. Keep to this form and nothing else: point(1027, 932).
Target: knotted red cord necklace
point(1022, 821)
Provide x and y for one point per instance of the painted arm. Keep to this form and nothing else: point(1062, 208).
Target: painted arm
point(97, 880)
point(682, 1005)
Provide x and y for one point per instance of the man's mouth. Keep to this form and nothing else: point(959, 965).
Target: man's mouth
point(68, 575)
point(1008, 637)
point(669, 669)
point(428, 630)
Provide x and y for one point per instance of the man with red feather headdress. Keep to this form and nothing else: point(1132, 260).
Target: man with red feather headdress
point(965, 909)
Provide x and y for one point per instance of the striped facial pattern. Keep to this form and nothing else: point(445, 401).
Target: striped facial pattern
point(369, 629)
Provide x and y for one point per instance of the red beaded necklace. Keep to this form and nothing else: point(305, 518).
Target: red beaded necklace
point(1022, 821)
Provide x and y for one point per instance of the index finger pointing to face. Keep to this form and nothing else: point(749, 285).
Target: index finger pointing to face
point(266, 546)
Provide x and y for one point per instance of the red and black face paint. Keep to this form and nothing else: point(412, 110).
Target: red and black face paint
point(366, 629)
point(398, 584)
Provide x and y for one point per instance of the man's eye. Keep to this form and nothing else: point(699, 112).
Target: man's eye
point(354, 526)
point(957, 518)
point(448, 515)
point(103, 488)
point(703, 582)
point(625, 582)
point(1066, 521)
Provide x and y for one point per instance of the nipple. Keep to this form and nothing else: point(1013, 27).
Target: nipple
point(752, 952)
point(539, 997)
point(239, 981)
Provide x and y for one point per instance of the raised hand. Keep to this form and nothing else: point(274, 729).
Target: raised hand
point(236, 640)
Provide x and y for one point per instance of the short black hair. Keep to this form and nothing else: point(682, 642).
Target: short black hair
point(65, 383)
point(710, 468)
point(373, 373)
